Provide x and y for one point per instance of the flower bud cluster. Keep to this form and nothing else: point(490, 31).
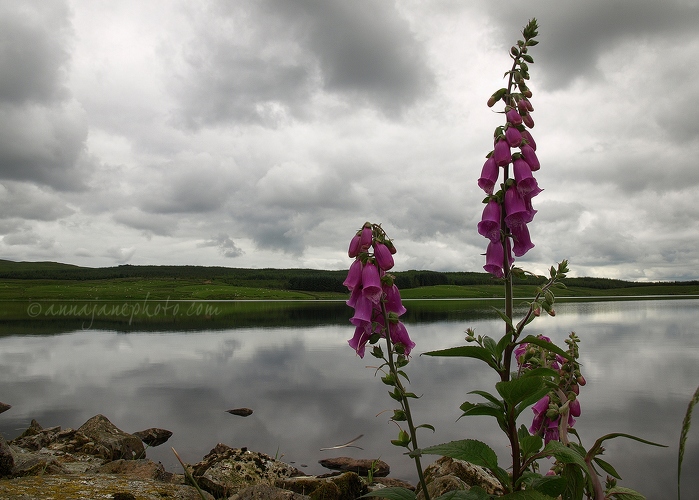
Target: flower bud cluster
point(509, 210)
point(374, 296)
point(562, 401)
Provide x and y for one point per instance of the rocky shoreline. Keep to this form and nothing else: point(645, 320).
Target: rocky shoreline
point(99, 460)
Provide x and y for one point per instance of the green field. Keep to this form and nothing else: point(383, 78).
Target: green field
point(27, 281)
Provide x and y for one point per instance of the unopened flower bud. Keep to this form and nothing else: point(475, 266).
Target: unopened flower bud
point(581, 380)
point(528, 120)
point(354, 246)
point(552, 414)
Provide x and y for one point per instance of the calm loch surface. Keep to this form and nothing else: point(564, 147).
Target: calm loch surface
point(290, 363)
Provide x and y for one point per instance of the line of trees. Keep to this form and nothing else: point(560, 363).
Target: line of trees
point(291, 279)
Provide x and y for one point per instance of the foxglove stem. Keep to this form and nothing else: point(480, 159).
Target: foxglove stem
point(404, 400)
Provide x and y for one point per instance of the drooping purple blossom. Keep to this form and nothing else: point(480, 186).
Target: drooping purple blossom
point(526, 183)
point(516, 209)
point(489, 175)
point(489, 226)
point(494, 259)
point(522, 241)
point(354, 275)
point(371, 282)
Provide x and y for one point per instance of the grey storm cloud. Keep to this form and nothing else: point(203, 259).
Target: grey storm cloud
point(225, 245)
point(574, 35)
point(33, 51)
point(42, 132)
point(289, 52)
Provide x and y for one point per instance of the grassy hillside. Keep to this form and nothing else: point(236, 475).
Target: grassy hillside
point(51, 280)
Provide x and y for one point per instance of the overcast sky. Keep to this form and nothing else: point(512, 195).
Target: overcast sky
point(263, 133)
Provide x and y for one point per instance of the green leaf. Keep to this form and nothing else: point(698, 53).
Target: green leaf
point(502, 343)
point(607, 467)
point(622, 493)
point(530, 445)
point(471, 410)
point(517, 390)
point(525, 495)
point(549, 485)
point(490, 345)
point(686, 422)
point(531, 399)
point(396, 394)
point(489, 397)
point(392, 493)
point(467, 351)
point(549, 346)
point(504, 317)
point(598, 443)
point(426, 426)
point(471, 450)
point(564, 454)
point(575, 481)
point(403, 374)
point(471, 494)
point(542, 372)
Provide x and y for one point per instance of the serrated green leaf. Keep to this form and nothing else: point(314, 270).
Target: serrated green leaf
point(490, 344)
point(502, 343)
point(549, 485)
point(471, 450)
point(564, 454)
point(530, 445)
point(516, 390)
point(466, 351)
point(504, 317)
point(392, 493)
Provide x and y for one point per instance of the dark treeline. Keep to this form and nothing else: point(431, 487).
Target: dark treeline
point(285, 279)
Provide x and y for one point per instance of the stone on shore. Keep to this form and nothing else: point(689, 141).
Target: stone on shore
point(225, 471)
point(108, 441)
point(153, 436)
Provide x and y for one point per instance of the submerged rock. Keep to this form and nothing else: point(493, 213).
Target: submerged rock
point(4, 407)
point(361, 466)
point(241, 412)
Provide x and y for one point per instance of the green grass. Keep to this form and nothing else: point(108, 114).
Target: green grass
point(197, 289)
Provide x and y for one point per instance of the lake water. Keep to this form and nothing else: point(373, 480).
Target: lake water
point(291, 364)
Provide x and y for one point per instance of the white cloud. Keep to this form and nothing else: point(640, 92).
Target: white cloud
point(172, 132)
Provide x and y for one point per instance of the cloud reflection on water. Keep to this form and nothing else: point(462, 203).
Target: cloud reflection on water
point(309, 391)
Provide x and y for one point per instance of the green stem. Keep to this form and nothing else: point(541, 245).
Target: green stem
point(404, 401)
